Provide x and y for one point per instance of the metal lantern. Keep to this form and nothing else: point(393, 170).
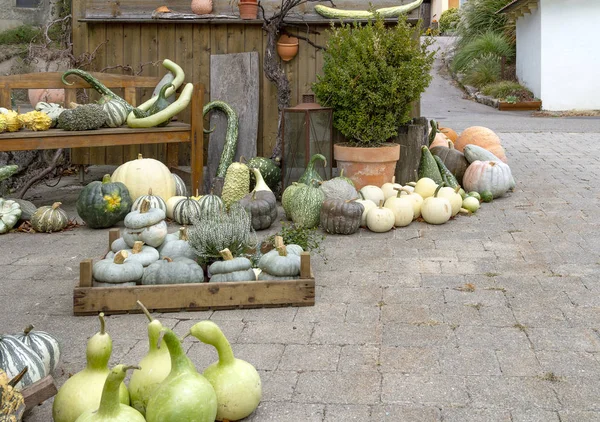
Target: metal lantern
point(307, 130)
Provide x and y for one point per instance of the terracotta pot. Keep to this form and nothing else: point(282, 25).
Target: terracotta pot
point(367, 166)
point(202, 7)
point(248, 9)
point(287, 47)
point(46, 95)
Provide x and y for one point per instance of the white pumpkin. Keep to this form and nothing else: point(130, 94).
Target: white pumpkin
point(425, 187)
point(390, 189)
point(367, 205)
point(402, 207)
point(380, 219)
point(453, 197)
point(374, 193)
point(145, 173)
point(171, 202)
point(493, 176)
point(417, 201)
point(436, 210)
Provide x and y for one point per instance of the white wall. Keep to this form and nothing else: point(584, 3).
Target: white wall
point(437, 8)
point(529, 52)
point(570, 54)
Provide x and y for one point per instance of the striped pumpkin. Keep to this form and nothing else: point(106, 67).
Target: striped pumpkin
point(180, 187)
point(49, 219)
point(210, 204)
point(14, 356)
point(116, 112)
point(186, 210)
point(155, 202)
point(44, 345)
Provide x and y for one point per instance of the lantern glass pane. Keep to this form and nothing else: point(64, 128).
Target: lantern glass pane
point(320, 139)
point(294, 140)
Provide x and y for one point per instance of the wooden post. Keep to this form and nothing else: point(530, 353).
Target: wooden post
point(113, 234)
point(411, 138)
point(85, 273)
point(197, 138)
point(305, 271)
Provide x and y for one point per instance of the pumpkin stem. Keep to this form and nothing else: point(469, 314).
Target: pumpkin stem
point(183, 233)
point(226, 254)
point(102, 323)
point(282, 250)
point(278, 241)
point(18, 377)
point(137, 246)
point(434, 130)
point(140, 156)
point(166, 258)
point(381, 203)
point(197, 193)
point(243, 159)
point(120, 257)
point(145, 311)
point(450, 145)
point(149, 191)
point(145, 206)
point(254, 195)
point(341, 173)
point(435, 194)
point(56, 205)
point(106, 179)
point(28, 329)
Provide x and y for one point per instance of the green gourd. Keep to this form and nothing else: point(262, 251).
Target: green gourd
point(7, 171)
point(428, 167)
point(236, 184)
point(286, 198)
point(236, 382)
point(270, 171)
point(95, 84)
point(83, 117)
point(15, 356)
point(231, 135)
point(10, 212)
point(185, 395)
point(116, 112)
point(53, 110)
point(83, 390)
point(111, 409)
point(155, 366)
point(49, 219)
point(103, 204)
point(160, 104)
point(311, 175)
point(446, 174)
point(186, 210)
point(453, 159)
point(385, 12)
point(305, 206)
point(231, 269)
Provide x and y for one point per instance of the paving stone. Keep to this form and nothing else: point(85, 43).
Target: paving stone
point(457, 315)
point(438, 390)
point(346, 333)
point(535, 415)
point(356, 358)
point(416, 296)
point(394, 413)
point(338, 387)
point(346, 412)
point(322, 312)
point(469, 361)
point(518, 363)
point(476, 415)
point(577, 392)
point(410, 360)
point(285, 411)
point(410, 314)
point(278, 385)
point(309, 358)
point(484, 297)
point(569, 363)
point(364, 313)
point(443, 281)
point(540, 317)
point(578, 416)
point(418, 336)
point(562, 339)
point(276, 332)
point(497, 316)
point(362, 294)
point(495, 338)
point(512, 392)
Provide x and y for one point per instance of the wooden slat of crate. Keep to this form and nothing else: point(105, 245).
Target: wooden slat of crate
point(38, 392)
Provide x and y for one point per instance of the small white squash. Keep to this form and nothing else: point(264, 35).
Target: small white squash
point(453, 197)
point(374, 193)
point(171, 202)
point(380, 219)
point(436, 210)
point(391, 189)
point(402, 207)
point(425, 187)
point(417, 201)
point(368, 205)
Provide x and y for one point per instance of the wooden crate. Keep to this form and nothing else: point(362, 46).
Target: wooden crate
point(89, 300)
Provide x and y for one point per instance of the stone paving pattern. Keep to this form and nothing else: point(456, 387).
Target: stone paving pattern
point(490, 317)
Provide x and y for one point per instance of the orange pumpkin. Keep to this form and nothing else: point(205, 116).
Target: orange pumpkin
point(46, 95)
point(450, 133)
point(440, 140)
point(483, 137)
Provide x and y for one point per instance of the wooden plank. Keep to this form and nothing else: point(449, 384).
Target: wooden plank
point(131, 57)
point(201, 73)
point(235, 81)
point(113, 234)
point(235, 39)
point(148, 53)
point(197, 138)
point(114, 57)
point(253, 42)
point(38, 392)
point(183, 57)
point(97, 35)
point(53, 80)
point(85, 273)
point(270, 113)
point(411, 138)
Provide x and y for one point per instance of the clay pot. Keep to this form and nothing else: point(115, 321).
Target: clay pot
point(248, 9)
point(202, 7)
point(287, 47)
point(46, 95)
point(367, 166)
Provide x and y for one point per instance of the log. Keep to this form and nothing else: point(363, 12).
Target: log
point(411, 137)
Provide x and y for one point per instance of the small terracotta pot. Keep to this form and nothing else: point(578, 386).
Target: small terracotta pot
point(367, 166)
point(287, 47)
point(47, 95)
point(248, 9)
point(202, 7)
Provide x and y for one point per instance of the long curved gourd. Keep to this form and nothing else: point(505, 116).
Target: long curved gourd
point(177, 82)
point(386, 12)
point(231, 136)
point(156, 119)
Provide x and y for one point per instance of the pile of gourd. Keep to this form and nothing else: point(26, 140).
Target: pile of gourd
point(12, 121)
point(46, 219)
point(164, 386)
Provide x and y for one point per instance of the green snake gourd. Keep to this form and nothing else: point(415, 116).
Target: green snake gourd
point(231, 135)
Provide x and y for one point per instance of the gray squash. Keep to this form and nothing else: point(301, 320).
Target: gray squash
point(146, 224)
point(279, 263)
point(145, 255)
point(117, 271)
point(340, 216)
point(173, 271)
point(338, 188)
point(175, 246)
point(231, 269)
point(118, 245)
point(262, 207)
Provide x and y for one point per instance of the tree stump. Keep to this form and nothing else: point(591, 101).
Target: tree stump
point(411, 138)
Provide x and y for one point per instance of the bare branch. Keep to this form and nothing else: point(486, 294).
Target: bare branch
point(41, 174)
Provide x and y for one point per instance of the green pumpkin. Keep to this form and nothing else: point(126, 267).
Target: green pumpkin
point(103, 204)
point(7, 171)
point(286, 198)
point(115, 111)
point(10, 211)
point(340, 216)
point(176, 245)
point(305, 206)
point(49, 219)
point(311, 175)
point(261, 206)
point(186, 211)
point(231, 269)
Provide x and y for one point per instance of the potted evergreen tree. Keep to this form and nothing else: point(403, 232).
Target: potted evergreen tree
point(371, 74)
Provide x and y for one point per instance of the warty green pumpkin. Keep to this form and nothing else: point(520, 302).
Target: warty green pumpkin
point(305, 206)
point(49, 219)
point(231, 269)
point(236, 184)
point(103, 204)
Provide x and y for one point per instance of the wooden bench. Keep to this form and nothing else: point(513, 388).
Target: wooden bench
point(175, 132)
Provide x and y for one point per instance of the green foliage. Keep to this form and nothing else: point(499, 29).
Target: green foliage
point(483, 70)
point(479, 16)
point(449, 21)
point(371, 74)
point(504, 89)
point(308, 239)
point(489, 43)
point(23, 34)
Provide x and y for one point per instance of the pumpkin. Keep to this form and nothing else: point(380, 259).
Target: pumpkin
point(46, 95)
point(176, 246)
point(171, 203)
point(15, 356)
point(453, 197)
point(374, 193)
point(402, 207)
point(28, 208)
point(186, 211)
point(178, 270)
point(103, 204)
point(439, 140)
point(115, 111)
point(490, 176)
point(416, 199)
point(268, 169)
point(367, 205)
point(311, 175)
point(155, 202)
point(453, 159)
point(143, 174)
point(12, 405)
point(49, 219)
point(338, 188)
point(339, 216)
point(147, 225)
point(286, 198)
point(450, 133)
point(390, 189)
point(278, 264)
point(210, 205)
point(145, 255)
point(436, 210)
point(44, 345)
point(10, 212)
point(117, 271)
point(262, 207)
point(483, 137)
point(380, 219)
point(118, 245)
point(305, 206)
point(51, 109)
point(231, 269)
point(425, 187)
point(180, 187)
point(474, 153)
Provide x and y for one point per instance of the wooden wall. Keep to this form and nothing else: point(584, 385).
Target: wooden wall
point(135, 39)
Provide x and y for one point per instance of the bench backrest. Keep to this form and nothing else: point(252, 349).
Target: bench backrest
point(52, 80)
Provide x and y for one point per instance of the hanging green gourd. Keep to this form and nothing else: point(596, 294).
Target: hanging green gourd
point(185, 395)
point(236, 382)
point(111, 409)
point(231, 269)
point(83, 390)
point(311, 175)
point(236, 184)
point(49, 219)
point(155, 366)
point(103, 204)
point(279, 264)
